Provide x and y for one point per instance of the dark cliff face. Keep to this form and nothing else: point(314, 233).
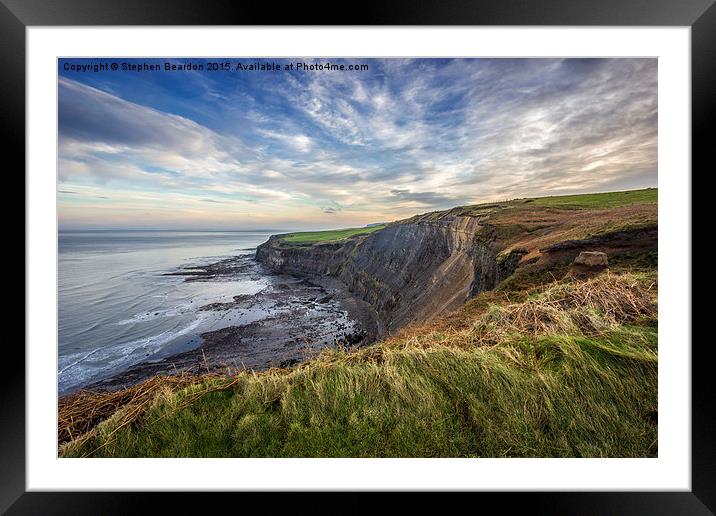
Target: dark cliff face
point(407, 272)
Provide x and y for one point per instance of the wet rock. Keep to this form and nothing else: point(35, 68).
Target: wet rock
point(290, 330)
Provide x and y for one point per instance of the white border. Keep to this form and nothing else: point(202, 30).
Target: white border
point(671, 470)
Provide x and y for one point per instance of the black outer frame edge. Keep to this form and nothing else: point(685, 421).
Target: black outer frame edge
point(12, 140)
point(370, 12)
point(582, 504)
point(703, 404)
point(454, 12)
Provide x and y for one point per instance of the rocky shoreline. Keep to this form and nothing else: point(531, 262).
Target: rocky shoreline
point(298, 316)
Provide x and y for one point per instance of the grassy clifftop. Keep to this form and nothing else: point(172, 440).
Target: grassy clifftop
point(556, 214)
point(323, 237)
point(535, 224)
point(546, 365)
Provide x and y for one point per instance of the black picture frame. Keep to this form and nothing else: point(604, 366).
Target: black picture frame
point(17, 15)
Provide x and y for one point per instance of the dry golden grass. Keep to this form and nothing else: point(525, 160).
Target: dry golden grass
point(571, 308)
point(568, 307)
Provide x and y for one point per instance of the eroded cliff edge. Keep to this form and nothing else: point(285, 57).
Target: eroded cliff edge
point(416, 268)
point(407, 271)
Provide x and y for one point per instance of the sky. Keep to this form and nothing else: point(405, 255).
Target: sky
point(315, 149)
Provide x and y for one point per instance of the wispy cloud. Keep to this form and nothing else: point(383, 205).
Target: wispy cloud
point(332, 207)
point(317, 149)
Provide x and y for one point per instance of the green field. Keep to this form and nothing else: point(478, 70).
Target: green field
point(599, 200)
point(322, 237)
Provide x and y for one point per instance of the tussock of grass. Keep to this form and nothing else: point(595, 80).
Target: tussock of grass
point(548, 384)
point(566, 307)
point(572, 308)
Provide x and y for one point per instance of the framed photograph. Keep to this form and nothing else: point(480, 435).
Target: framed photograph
point(437, 249)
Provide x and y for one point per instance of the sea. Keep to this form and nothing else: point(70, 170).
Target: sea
point(119, 305)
